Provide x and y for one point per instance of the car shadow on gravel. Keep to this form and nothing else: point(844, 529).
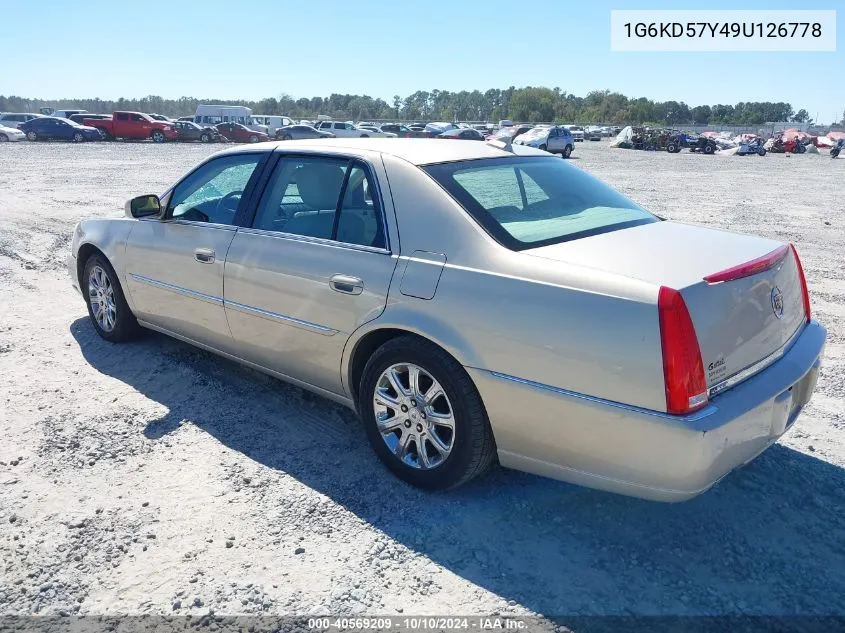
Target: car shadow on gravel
point(768, 540)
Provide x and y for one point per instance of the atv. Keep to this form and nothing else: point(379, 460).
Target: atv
point(704, 145)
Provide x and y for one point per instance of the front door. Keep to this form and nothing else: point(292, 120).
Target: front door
point(174, 265)
point(314, 266)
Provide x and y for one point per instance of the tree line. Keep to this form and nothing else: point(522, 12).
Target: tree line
point(530, 104)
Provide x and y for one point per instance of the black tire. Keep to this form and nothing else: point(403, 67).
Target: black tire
point(474, 449)
point(78, 138)
point(31, 136)
point(3, 138)
point(672, 148)
point(205, 138)
point(105, 133)
point(543, 147)
point(157, 136)
point(126, 327)
point(567, 151)
point(365, 136)
point(287, 137)
point(709, 149)
point(253, 139)
point(761, 151)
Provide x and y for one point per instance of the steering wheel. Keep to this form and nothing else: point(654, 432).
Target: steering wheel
point(229, 204)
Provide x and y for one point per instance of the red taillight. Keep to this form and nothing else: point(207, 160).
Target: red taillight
point(803, 279)
point(683, 370)
point(749, 268)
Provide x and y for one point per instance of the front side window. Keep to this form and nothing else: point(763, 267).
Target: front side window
point(530, 202)
point(303, 198)
point(213, 192)
point(137, 117)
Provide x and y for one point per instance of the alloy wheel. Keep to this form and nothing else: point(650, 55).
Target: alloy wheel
point(414, 416)
point(101, 297)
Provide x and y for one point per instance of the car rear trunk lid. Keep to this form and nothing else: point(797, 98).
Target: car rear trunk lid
point(742, 322)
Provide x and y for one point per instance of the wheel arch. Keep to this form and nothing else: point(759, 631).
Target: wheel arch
point(85, 252)
point(363, 344)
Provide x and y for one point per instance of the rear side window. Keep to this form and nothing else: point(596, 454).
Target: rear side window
point(326, 198)
point(122, 116)
point(530, 202)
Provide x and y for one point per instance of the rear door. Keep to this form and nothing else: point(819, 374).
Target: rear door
point(174, 265)
point(314, 266)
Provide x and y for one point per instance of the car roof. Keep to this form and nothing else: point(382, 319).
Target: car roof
point(418, 151)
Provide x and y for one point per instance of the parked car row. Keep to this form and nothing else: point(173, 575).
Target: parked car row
point(237, 124)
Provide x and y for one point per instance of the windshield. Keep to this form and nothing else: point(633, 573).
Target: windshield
point(535, 201)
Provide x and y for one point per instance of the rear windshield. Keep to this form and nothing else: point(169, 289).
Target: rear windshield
point(535, 201)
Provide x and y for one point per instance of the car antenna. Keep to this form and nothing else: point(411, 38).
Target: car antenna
point(503, 144)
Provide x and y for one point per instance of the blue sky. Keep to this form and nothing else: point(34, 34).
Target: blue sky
point(385, 47)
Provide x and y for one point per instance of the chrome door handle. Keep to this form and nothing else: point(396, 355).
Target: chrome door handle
point(204, 255)
point(346, 284)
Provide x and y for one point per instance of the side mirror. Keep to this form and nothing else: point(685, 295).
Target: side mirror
point(143, 206)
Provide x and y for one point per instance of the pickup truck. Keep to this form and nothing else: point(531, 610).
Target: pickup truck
point(133, 125)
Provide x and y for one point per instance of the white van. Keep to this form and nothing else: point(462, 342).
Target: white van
point(271, 122)
point(214, 114)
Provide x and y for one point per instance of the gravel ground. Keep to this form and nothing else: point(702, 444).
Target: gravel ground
point(156, 478)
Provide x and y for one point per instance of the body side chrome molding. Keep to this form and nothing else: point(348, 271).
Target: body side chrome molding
point(275, 316)
point(692, 417)
point(177, 289)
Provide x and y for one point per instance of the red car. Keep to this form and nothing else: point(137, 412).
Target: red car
point(132, 125)
point(240, 133)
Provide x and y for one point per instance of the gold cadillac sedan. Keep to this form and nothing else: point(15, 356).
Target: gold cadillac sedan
point(474, 303)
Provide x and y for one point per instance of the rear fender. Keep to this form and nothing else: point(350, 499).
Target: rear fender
point(404, 316)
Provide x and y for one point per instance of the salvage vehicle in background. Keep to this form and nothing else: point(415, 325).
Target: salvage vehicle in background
point(462, 134)
point(375, 131)
point(530, 312)
point(437, 128)
point(270, 123)
point(133, 126)
point(345, 129)
point(14, 119)
point(8, 134)
point(401, 131)
point(240, 133)
point(510, 132)
point(190, 131)
point(555, 139)
point(52, 128)
point(66, 114)
point(79, 118)
point(577, 132)
point(160, 117)
point(300, 132)
point(751, 146)
point(703, 145)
